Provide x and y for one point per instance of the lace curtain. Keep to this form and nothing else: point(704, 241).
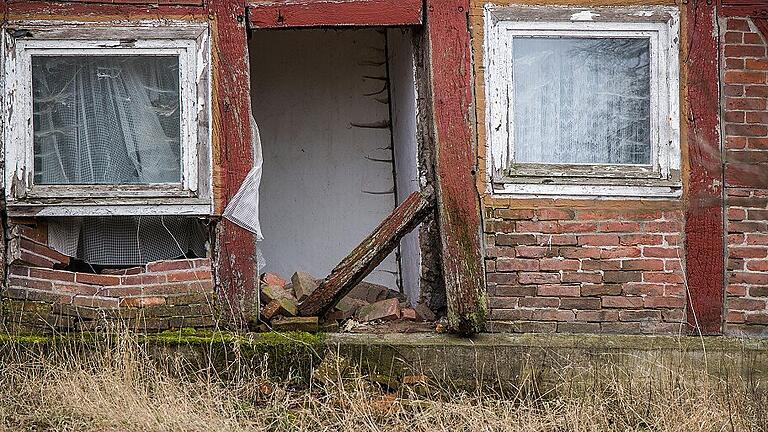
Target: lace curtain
point(111, 120)
point(581, 100)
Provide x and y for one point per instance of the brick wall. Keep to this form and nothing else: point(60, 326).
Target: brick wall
point(39, 297)
point(745, 120)
point(584, 270)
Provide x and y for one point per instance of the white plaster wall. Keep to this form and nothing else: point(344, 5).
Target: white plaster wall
point(404, 136)
point(321, 193)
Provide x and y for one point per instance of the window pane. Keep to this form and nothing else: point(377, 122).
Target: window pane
point(106, 119)
point(581, 100)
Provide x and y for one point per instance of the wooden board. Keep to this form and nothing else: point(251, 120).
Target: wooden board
point(704, 215)
point(367, 255)
point(332, 13)
point(450, 60)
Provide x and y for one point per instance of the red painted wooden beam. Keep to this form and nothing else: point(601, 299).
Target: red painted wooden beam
point(236, 247)
point(743, 8)
point(335, 13)
point(704, 215)
point(458, 200)
point(106, 9)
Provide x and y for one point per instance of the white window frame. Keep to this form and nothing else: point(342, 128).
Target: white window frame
point(187, 41)
point(660, 25)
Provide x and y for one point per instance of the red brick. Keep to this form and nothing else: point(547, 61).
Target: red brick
point(499, 225)
point(615, 226)
point(743, 51)
point(661, 252)
point(514, 214)
point(622, 302)
point(96, 301)
point(738, 24)
point(597, 315)
point(620, 252)
point(734, 290)
point(758, 143)
point(641, 239)
point(757, 318)
point(642, 264)
point(539, 302)
point(757, 265)
point(756, 91)
point(757, 117)
point(142, 301)
point(168, 265)
point(664, 302)
point(558, 290)
point(582, 303)
point(746, 130)
point(639, 315)
point(534, 251)
point(578, 227)
point(554, 214)
point(753, 39)
point(735, 317)
point(757, 239)
point(580, 276)
point(735, 116)
point(734, 89)
point(745, 103)
point(732, 142)
point(748, 278)
point(552, 315)
point(580, 252)
point(143, 279)
point(622, 276)
point(515, 239)
point(600, 264)
point(180, 276)
point(97, 279)
point(40, 284)
point(746, 304)
point(758, 291)
point(736, 214)
point(502, 302)
point(733, 37)
point(599, 240)
point(662, 277)
point(578, 327)
point(748, 252)
point(43, 251)
point(512, 290)
point(558, 264)
point(57, 275)
point(511, 314)
point(556, 239)
point(502, 278)
point(538, 278)
point(75, 288)
point(732, 77)
point(600, 289)
point(538, 227)
point(643, 288)
point(517, 264)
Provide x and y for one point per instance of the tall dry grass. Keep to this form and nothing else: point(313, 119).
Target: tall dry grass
point(117, 386)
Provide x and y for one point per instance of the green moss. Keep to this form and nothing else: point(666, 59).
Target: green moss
point(24, 339)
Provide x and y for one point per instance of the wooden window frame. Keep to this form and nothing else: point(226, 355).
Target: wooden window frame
point(187, 41)
point(660, 26)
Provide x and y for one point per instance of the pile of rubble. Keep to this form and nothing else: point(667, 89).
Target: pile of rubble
point(366, 302)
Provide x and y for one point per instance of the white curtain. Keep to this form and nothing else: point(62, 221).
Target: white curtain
point(581, 100)
point(111, 120)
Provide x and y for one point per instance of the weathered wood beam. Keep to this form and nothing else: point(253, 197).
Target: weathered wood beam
point(704, 237)
point(367, 255)
point(233, 156)
point(335, 13)
point(455, 159)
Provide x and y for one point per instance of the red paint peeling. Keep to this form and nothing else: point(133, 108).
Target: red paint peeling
point(704, 215)
point(104, 10)
point(335, 13)
point(459, 206)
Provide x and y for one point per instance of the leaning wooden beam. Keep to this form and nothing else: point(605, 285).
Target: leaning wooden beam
point(367, 255)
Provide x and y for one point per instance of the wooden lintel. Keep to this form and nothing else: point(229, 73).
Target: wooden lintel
point(458, 201)
point(335, 13)
point(367, 255)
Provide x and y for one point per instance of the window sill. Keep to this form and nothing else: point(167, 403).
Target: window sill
point(527, 190)
point(125, 207)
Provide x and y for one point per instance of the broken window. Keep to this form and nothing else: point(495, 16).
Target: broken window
point(582, 102)
point(105, 121)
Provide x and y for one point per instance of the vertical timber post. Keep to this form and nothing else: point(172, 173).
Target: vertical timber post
point(233, 156)
point(704, 227)
point(450, 62)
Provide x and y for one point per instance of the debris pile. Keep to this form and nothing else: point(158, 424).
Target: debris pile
point(366, 302)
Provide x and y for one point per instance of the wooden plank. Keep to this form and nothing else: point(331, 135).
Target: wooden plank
point(144, 2)
point(704, 229)
point(450, 59)
point(233, 156)
point(332, 13)
point(367, 255)
point(103, 11)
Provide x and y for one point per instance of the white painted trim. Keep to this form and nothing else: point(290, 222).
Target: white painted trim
point(114, 210)
point(659, 25)
point(189, 42)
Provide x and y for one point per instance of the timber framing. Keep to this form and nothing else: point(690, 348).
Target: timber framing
point(326, 13)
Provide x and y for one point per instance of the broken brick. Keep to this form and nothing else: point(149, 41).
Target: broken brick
point(274, 292)
point(424, 313)
point(303, 285)
point(273, 279)
point(305, 324)
point(348, 306)
point(280, 306)
point(385, 310)
point(408, 314)
point(369, 292)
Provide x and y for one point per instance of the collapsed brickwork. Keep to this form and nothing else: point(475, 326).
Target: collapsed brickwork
point(41, 297)
point(745, 120)
point(584, 270)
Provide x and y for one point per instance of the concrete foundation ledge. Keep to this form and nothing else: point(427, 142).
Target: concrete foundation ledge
point(505, 361)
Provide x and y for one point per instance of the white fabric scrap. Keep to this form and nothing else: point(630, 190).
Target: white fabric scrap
point(243, 209)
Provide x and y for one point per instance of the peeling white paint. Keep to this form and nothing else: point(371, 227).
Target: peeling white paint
point(584, 16)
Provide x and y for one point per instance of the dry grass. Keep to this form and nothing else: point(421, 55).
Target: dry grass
point(119, 388)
